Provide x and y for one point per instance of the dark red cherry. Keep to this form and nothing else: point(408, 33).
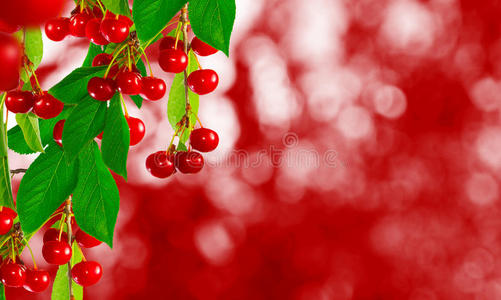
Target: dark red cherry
point(78, 24)
point(57, 133)
point(97, 12)
point(56, 252)
point(85, 240)
point(202, 48)
point(87, 273)
point(126, 20)
point(10, 62)
point(204, 139)
point(52, 234)
point(153, 88)
point(160, 164)
point(10, 212)
point(137, 130)
point(8, 28)
point(93, 32)
point(102, 89)
point(115, 31)
point(169, 42)
point(203, 82)
point(30, 12)
point(12, 274)
point(102, 59)
point(173, 60)
point(19, 101)
point(6, 221)
point(189, 162)
point(57, 29)
point(129, 82)
point(36, 281)
point(47, 107)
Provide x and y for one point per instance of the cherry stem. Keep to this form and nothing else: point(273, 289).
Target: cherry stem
point(147, 60)
point(31, 253)
point(199, 122)
point(5, 241)
point(34, 76)
point(125, 106)
point(101, 7)
point(81, 252)
point(12, 248)
point(67, 211)
point(172, 140)
point(113, 60)
point(61, 224)
point(159, 33)
point(128, 59)
point(198, 62)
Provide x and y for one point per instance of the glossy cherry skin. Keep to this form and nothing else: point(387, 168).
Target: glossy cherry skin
point(204, 139)
point(19, 101)
point(129, 82)
point(189, 162)
point(137, 130)
point(57, 133)
point(102, 59)
point(10, 62)
point(78, 24)
point(36, 281)
point(57, 29)
point(52, 234)
point(10, 212)
point(169, 42)
point(203, 82)
point(47, 107)
point(160, 164)
point(115, 31)
point(12, 274)
point(153, 88)
point(202, 48)
point(93, 32)
point(173, 61)
point(85, 240)
point(102, 89)
point(6, 221)
point(56, 252)
point(30, 12)
point(87, 273)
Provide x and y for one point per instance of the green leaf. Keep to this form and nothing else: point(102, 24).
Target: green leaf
point(2, 292)
point(93, 51)
point(116, 139)
point(60, 289)
point(212, 21)
point(176, 107)
point(31, 131)
point(84, 124)
point(6, 198)
point(120, 7)
point(96, 199)
point(48, 182)
point(73, 88)
point(181, 147)
point(151, 16)
point(33, 46)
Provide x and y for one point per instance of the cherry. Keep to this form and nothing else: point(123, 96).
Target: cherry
point(97, 12)
point(30, 12)
point(78, 24)
point(93, 32)
point(169, 42)
point(204, 139)
point(36, 281)
point(173, 60)
point(57, 29)
point(57, 133)
point(8, 28)
point(137, 130)
point(115, 31)
point(129, 82)
point(203, 82)
point(102, 89)
point(19, 101)
point(12, 274)
point(85, 240)
point(202, 48)
point(10, 212)
point(102, 59)
point(126, 20)
point(153, 88)
point(10, 60)
point(47, 107)
point(87, 273)
point(6, 221)
point(56, 252)
point(160, 164)
point(189, 162)
point(52, 234)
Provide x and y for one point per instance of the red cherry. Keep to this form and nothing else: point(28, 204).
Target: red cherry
point(169, 42)
point(202, 48)
point(204, 139)
point(93, 32)
point(52, 234)
point(57, 133)
point(30, 12)
point(10, 60)
point(160, 164)
point(37, 281)
point(85, 240)
point(153, 88)
point(12, 274)
point(102, 89)
point(6, 221)
point(137, 130)
point(173, 61)
point(87, 273)
point(114, 30)
point(78, 24)
point(56, 252)
point(203, 82)
point(8, 28)
point(10, 212)
point(126, 20)
point(102, 59)
point(19, 101)
point(47, 107)
point(57, 29)
point(129, 83)
point(189, 162)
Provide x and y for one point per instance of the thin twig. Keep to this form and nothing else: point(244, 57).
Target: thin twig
point(18, 171)
point(67, 211)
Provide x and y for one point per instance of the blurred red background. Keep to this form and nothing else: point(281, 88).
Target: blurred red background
point(360, 159)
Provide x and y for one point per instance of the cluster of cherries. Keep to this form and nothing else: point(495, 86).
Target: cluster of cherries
point(43, 104)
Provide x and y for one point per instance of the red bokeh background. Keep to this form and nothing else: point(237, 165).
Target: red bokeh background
point(360, 159)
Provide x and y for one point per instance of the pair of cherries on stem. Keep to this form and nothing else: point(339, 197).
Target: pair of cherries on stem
point(17, 275)
point(44, 105)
